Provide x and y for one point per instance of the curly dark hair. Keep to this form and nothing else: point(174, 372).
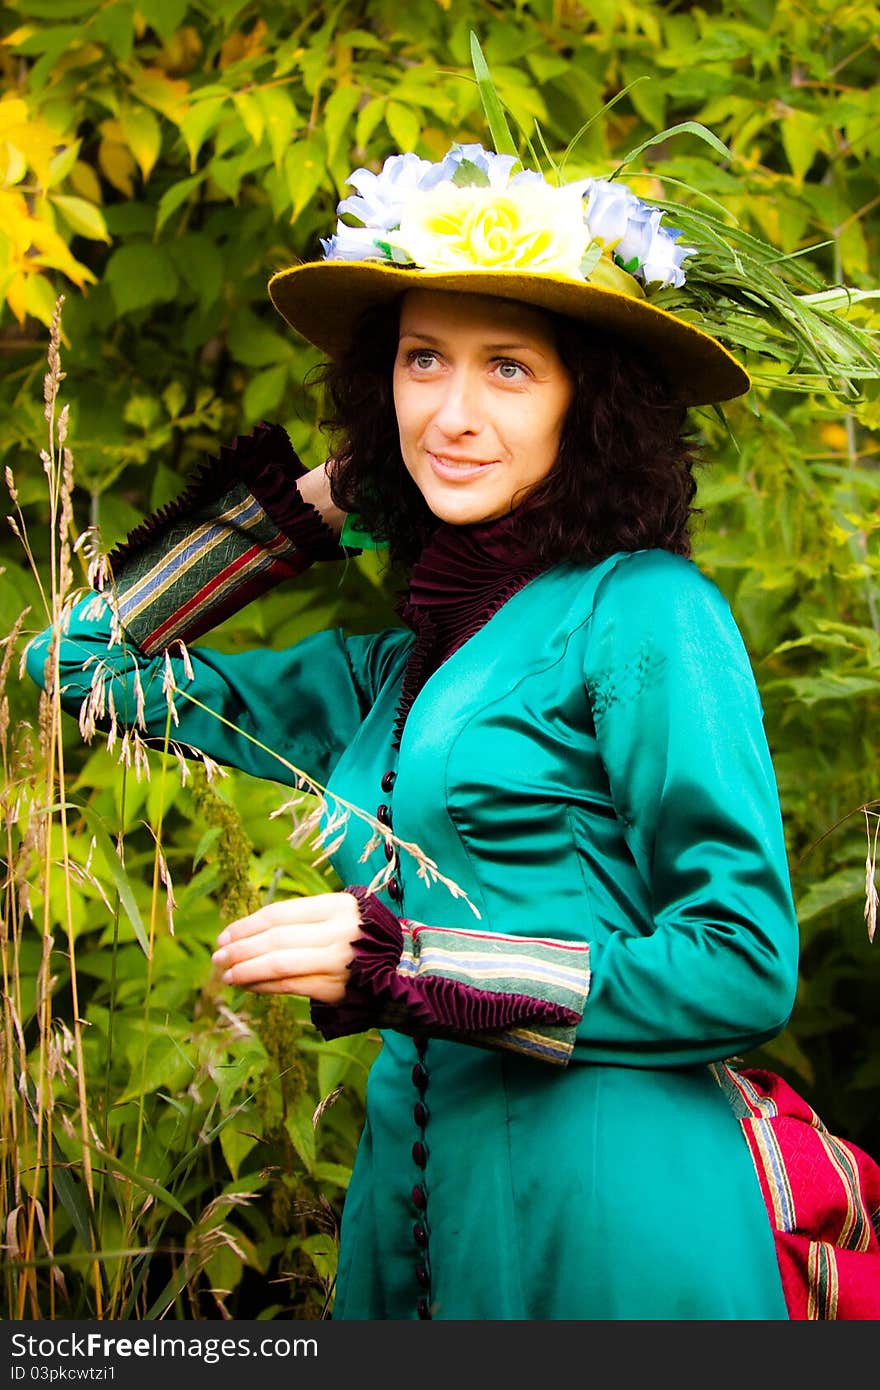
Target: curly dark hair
point(623, 479)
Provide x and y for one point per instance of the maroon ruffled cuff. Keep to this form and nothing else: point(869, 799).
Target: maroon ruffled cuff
point(240, 528)
point(497, 991)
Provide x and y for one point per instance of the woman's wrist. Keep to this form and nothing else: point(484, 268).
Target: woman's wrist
point(314, 488)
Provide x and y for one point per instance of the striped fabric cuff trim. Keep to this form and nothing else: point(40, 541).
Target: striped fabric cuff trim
point(193, 572)
point(549, 1043)
point(553, 971)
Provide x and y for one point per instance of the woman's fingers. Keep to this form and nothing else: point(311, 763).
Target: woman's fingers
point(321, 988)
point(278, 963)
point(299, 946)
point(341, 908)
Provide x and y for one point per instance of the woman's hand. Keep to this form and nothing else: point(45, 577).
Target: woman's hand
point(314, 488)
point(299, 946)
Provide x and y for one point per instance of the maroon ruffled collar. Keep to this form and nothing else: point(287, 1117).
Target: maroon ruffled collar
point(463, 576)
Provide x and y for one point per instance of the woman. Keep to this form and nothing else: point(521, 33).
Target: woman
point(572, 734)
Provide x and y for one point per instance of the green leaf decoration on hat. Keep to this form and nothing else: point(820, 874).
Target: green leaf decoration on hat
point(498, 128)
point(739, 289)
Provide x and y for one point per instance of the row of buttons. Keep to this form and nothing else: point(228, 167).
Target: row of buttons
point(419, 1193)
point(383, 815)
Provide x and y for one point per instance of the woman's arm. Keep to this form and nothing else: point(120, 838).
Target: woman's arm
point(239, 528)
point(713, 972)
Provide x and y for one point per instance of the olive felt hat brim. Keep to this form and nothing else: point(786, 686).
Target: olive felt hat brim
point(323, 301)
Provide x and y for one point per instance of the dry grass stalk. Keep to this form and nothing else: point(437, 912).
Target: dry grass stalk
point(871, 896)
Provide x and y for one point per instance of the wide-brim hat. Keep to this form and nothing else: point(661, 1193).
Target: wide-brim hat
point(477, 223)
point(325, 300)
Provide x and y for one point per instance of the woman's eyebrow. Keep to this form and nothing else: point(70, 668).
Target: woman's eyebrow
point(488, 347)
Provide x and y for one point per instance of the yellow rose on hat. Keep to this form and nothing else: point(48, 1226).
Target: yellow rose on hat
point(528, 226)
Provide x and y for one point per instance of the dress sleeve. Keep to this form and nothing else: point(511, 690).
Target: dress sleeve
point(502, 992)
point(239, 529)
point(679, 725)
point(710, 968)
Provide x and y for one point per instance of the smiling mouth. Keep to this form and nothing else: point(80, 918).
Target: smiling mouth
point(458, 468)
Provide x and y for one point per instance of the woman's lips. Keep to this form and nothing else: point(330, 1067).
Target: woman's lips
point(457, 470)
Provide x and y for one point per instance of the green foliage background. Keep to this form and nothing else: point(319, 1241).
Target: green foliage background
point(158, 161)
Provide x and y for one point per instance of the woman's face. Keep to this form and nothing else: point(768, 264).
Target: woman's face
point(481, 394)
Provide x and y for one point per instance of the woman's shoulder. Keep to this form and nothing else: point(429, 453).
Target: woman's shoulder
point(643, 583)
point(658, 601)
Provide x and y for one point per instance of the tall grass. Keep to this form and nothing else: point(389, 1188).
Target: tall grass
point(169, 1148)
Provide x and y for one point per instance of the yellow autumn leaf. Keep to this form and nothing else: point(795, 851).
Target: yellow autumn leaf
point(18, 35)
point(16, 296)
point(30, 245)
point(112, 130)
point(182, 51)
point(51, 250)
point(13, 112)
point(35, 141)
point(84, 181)
point(117, 165)
point(40, 297)
point(833, 435)
point(240, 45)
point(13, 165)
point(143, 135)
point(165, 94)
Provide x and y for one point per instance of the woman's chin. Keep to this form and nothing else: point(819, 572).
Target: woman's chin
point(460, 514)
point(462, 506)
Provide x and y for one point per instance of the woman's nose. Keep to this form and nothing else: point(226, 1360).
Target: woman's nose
point(458, 412)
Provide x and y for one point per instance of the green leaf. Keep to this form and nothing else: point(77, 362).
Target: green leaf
point(282, 120)
point(82, 217)
point(336, 1173)
point(498, 127)
point(207, 841)
point(74, 1198)
point(141, 274)
point(57, 9)
point(235, 1144)
point(173, 197)
point(338, 111)
point(114, 1163)
point(800, 134)
point(164, 1064)
point(470, 175)
point(404, 124)
point(264, 393)
point(199, 262)
point(199, 122)
point(165, 16)
point(113, 25)
point(141, 411)
point(304, 166)
point(302, 1131)
point(255, 344)
point(841, 888)
point(251, 113)
point(174, 398)
point(62, 163)
point(143, 135)
point(368, 118)
point(98, 828)
point(684, 127)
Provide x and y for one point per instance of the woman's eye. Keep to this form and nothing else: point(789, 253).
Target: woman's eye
point(421, 359)
point(510, 371)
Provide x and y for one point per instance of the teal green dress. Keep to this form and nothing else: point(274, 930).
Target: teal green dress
point(591, 768)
